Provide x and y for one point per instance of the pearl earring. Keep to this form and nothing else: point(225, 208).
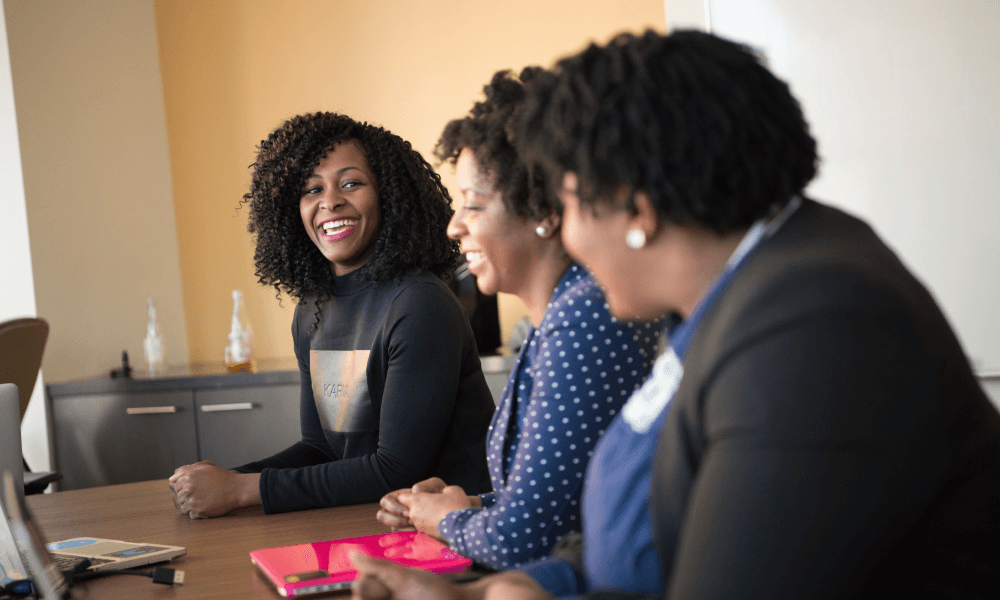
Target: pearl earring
point(635, 239)
point(541, 231)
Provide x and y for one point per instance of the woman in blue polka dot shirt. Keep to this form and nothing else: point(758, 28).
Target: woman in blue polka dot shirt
point(576, 369)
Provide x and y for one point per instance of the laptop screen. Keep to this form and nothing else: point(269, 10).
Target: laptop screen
point(10, 433)
point(29, 542)
point(11, 566)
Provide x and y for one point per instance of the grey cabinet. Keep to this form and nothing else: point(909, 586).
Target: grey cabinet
point(113, 431)
point(120, 438)
point(240, 425)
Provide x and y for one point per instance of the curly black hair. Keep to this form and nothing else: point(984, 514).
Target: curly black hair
point(414, 206)
point(694, 121)
point(487, 131)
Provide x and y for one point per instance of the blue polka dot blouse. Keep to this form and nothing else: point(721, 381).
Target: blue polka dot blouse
point(572, 376)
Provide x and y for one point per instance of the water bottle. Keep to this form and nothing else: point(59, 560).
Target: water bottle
point(240, 347)
point(152, 346)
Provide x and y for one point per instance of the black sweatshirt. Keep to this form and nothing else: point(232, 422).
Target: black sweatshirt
point(392, 393)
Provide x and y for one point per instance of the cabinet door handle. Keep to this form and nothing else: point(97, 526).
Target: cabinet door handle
point(151, 410)
point(226, 407)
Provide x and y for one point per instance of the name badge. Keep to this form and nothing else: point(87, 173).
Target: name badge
point(643, 408)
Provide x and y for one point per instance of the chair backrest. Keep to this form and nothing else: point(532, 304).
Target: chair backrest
point(22, 343)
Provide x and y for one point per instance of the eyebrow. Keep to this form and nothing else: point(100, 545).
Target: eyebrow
point(339, 172)
point(475, 189)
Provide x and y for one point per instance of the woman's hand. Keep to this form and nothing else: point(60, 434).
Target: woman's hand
point(384, 580)
point(514, 585)
point(203, 490)
point(397, 516)
point(425, 510)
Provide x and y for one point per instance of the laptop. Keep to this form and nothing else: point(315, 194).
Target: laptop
point(11, 565)
point(29, 550)
point(23, 552)
point(10, 432)
point(104, 554)
point(320, 567)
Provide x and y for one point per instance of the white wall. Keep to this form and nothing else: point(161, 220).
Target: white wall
point(97, 180)
point(17, 288)
point(904, 99)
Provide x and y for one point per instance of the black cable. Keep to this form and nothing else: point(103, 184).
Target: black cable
point(24, 588)
point(162, 575)
point(88, 575)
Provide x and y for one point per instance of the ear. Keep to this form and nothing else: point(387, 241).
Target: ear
point(645, 217)
point(551, 223)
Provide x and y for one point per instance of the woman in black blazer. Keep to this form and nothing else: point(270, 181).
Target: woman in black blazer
point(824, 434)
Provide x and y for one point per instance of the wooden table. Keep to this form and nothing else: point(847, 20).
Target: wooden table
point(217, 564)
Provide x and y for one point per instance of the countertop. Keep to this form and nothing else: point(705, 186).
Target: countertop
point(214, 376)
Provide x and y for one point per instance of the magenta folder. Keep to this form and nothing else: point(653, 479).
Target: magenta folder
point(326, 566)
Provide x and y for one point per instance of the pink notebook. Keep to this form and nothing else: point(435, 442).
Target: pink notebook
point(326, 566)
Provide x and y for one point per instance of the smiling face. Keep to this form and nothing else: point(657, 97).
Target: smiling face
point(339, 207)
point(501, 248)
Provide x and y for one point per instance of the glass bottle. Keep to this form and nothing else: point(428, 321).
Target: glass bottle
point(240, 347)
point(152, 346)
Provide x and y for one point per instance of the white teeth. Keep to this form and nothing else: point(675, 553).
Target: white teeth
point(473, 258)
point(332, 226)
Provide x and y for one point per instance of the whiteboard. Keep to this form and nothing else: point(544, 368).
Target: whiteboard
point(903, 97)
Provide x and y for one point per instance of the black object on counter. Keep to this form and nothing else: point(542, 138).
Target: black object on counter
point(126, 370)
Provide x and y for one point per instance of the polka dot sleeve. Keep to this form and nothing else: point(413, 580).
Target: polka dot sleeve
point(580, 369)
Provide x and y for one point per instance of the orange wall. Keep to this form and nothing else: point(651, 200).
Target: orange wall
point(233, 70)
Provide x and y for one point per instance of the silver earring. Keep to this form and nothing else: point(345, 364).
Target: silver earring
point(541, 231)
point(635, 239)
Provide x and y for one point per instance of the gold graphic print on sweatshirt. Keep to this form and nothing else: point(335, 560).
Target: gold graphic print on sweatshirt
point(340, 388)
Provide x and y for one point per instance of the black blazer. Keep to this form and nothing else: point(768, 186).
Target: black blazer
point(828, 438)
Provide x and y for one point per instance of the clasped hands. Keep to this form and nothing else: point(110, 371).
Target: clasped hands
point(203, 490)
point(423, 506)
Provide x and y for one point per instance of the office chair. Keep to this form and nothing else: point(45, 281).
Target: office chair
point(22, 343)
